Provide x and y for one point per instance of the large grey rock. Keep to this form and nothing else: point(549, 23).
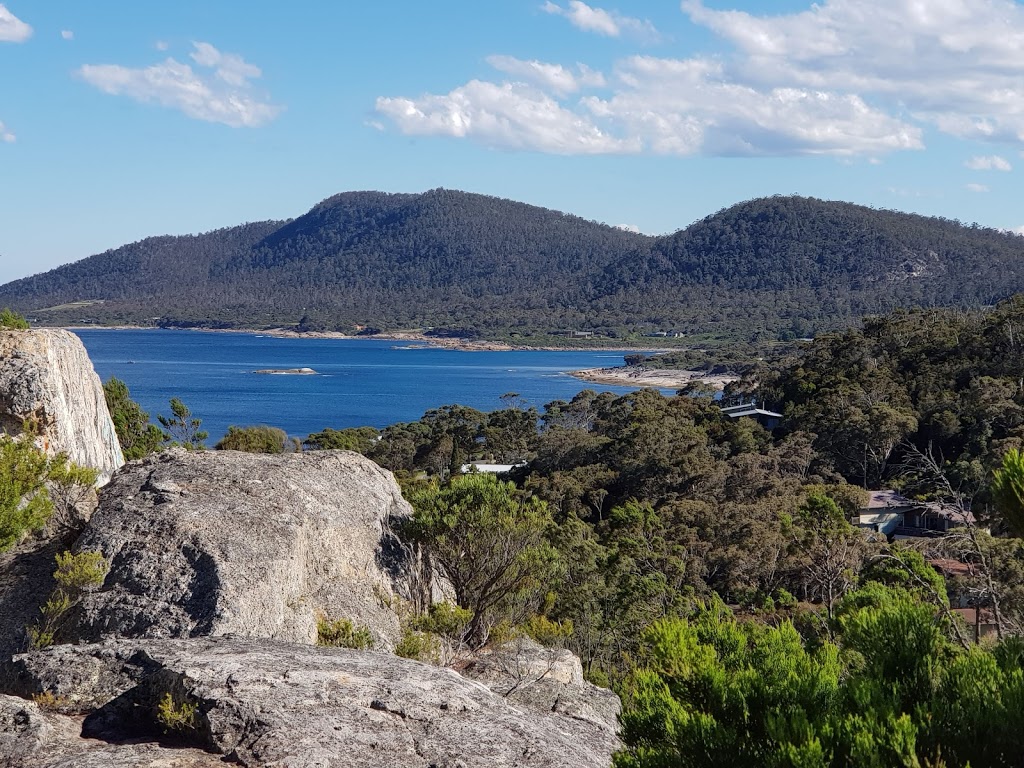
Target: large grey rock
point(46, 377)
point(219, 542)
point(262, 703)
point(548, 680)
point(31, 737)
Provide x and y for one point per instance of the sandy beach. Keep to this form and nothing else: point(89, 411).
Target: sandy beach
point(638, 376)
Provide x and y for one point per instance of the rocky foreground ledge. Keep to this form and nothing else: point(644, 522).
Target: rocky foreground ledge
point(265, 703)
point(220, 565)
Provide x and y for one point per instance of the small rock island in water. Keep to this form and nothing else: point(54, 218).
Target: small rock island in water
point(288, 371)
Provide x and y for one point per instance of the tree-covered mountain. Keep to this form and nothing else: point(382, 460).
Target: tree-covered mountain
point(782, 265)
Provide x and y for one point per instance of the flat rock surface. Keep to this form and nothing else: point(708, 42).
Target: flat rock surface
point(46, 377)
point(218, 542)
point(264, 703)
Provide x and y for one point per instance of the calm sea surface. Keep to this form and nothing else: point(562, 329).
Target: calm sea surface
point(359, 381)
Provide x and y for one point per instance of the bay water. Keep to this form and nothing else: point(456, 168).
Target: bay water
point(359, 382)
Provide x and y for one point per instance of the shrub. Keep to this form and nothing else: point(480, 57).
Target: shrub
point(137, 436)
point(24, 501)
point(551, 634)
point(12, 320)
point(419, 646)
point(176, 715)
point(490, 540)
point(342, 633)
point(75, 575)
point(257, 439)
point(448, 626)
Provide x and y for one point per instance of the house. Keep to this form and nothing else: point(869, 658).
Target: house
point(898, 517)
point(478, 466)
point(934, 520)
point(767, 419)
point(884, 512)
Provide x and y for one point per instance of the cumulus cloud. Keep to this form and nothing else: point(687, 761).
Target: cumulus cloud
point(660, 106)
point(629, 228)
point(849, 78)
point(67, 34)
point(219, 91)
point(6, 136)
point(989, 163)
point(956, 64)
point(553, 77)
point(507, 116)
point(12, 29)
point(977, 188)
point(602, 22)
point(1018, 230)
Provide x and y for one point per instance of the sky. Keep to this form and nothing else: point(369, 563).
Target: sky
point(122, 120)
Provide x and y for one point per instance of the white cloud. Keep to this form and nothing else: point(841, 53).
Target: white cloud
point(957, 64)
point(6, 136)
point(659, 106)
point(507, 116)
point(977, 188)
point(1018, 230)
point(220, 92)
point(602, 22)
point(629, 228)
point(552, 77)
point(848, 78)
point(989, 163)
point(67, 34)
point(12, 29)
point(161, 45)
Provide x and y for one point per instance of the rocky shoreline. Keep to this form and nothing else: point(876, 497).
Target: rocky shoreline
point(639, 376)
point(456, 343)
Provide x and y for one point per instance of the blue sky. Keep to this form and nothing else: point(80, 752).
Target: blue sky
point(121, 120)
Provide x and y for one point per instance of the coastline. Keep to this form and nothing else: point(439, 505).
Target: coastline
point(638, 376)
point(454, 343)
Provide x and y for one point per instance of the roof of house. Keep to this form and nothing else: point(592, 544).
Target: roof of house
point(493, 468)
point(749, 409)
point(947, 566)
point(887, 498)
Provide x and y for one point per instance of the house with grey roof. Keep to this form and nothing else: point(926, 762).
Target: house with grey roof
point(767, 419)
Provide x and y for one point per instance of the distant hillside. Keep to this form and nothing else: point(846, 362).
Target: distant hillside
point(471, 263)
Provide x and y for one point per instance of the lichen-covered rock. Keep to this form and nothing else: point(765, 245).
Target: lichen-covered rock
point(46, 378)
point(262, 703)
point(219, 542)
point(33, 738)
point(549, 680)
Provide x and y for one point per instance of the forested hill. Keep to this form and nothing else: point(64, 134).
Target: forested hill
point(478, 264)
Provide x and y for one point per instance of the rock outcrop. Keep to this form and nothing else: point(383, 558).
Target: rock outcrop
point(262, 703)
point(219, 542)
point(46, 377)
point(549, 680)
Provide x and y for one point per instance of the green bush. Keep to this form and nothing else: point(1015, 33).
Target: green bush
point(75, 575)
point(342, 633)
point(136, 435)
point(552, 634)
point(887, 690)
point(256, 439)
point(25, 503)
point(490, 540)
point(12, 320)
point(176, 715)
point(419, 646)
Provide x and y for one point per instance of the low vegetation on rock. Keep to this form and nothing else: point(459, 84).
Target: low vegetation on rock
point(12, 320)
point(342, 633)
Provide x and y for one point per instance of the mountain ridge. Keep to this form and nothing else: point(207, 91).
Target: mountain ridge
point(776, 266)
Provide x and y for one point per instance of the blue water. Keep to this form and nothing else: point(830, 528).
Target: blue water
point(359, 382)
